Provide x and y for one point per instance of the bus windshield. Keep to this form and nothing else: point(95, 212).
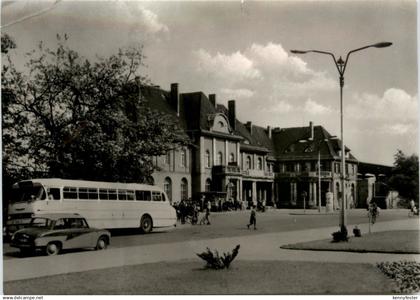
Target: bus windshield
point(27, 194)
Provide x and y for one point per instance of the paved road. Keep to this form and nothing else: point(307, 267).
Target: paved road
point(258, 246)
point(230, 224)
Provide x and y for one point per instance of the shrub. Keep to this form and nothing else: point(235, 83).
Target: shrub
point(357, 232)
point(217, 262)
point(406, 275)
point(340, 236)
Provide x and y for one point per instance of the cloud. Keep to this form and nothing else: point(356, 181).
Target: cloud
point(315, 108)
point(395, 104)
point(231, 67)
point(278, 107)
point(266, 69)
point(236, 93)
point(399, 129)
point(148, 20)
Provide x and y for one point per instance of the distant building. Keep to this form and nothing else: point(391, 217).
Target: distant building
point(245, 162)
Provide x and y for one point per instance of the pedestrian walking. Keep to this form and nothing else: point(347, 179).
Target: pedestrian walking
point(205, 218)
point(182, 210)
point(253, 218)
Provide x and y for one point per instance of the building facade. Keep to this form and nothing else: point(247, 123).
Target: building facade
point(248, 163)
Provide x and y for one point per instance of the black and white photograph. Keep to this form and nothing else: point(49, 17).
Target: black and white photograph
point(210, 148)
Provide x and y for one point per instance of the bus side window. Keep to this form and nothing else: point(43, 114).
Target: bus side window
point(156, 196)
point(143, 196)
point(112, 194)
point(54, 194)
point(130, 195)
point(69, 192)
point(122, 194)
point(103, 194)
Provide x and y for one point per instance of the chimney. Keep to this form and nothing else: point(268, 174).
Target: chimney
point(232, 114)
point(311, 127)
point(175, 97)
point(248, 126)
point(212, 98)
point(269, 132)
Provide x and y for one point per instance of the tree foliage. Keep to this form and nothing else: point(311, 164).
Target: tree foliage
point(405, 176)
point(68, 117)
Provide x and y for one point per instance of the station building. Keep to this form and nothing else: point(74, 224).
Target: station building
point(246, 162)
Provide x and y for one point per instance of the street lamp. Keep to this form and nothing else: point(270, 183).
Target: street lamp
point(319, 164)
point(341, 68)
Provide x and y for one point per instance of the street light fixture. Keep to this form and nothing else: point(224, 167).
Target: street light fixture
point(319, 163)
point(341, 68)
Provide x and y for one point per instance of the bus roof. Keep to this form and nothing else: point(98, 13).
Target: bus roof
point(58, 182)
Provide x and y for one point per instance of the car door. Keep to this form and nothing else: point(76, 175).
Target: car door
point(78, 234)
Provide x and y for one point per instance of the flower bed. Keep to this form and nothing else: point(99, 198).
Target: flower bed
point(405, 273)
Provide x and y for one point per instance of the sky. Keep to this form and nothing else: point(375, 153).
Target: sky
point(240, 50)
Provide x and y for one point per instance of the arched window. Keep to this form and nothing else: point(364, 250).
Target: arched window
point(232, 158)
point(207, 159)
point(183, 158)
point(184, 189)
point(208, 185)
point(259, 163)
point(167, 187)
point(220, 158)
point(248, 162)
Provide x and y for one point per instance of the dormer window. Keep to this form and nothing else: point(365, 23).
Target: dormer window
point(310, 148)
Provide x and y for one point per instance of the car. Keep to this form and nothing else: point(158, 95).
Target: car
point(54, 232)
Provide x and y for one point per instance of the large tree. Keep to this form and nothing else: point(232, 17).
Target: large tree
point(68, 117)
point(405, 176)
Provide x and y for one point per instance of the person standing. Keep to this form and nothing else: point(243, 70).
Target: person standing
point(253, 218)
point(208, 212)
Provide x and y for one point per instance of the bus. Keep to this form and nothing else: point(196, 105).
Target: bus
point(108, 205)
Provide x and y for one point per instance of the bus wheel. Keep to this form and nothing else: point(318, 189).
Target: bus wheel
point(53, 248)
point(146, 224)
point(102, 243)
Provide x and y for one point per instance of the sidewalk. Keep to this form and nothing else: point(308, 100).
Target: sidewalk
point(253, 247)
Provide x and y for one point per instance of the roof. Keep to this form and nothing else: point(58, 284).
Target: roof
point(196, 113)
point(288, 145)
point(258, 139)
point(376, 169)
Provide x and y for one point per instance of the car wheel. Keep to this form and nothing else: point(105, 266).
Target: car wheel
point(53, 249)
point(101, 244)
point(146, 224)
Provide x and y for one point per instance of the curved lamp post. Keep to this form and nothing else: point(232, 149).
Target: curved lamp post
point(341, 68)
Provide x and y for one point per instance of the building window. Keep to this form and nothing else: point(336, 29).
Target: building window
point(232, 158)
point(167, 187)
point(297, 167)
point(183, 158)
point(207, 159)
point(220, 158)
point(248, 162)
point(259, 163)
point(208, 185)
point(184, 189)
point(337, 168)
point(167, 158)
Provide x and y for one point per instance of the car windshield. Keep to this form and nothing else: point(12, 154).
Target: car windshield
point(41, 222)
point(26, 194)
